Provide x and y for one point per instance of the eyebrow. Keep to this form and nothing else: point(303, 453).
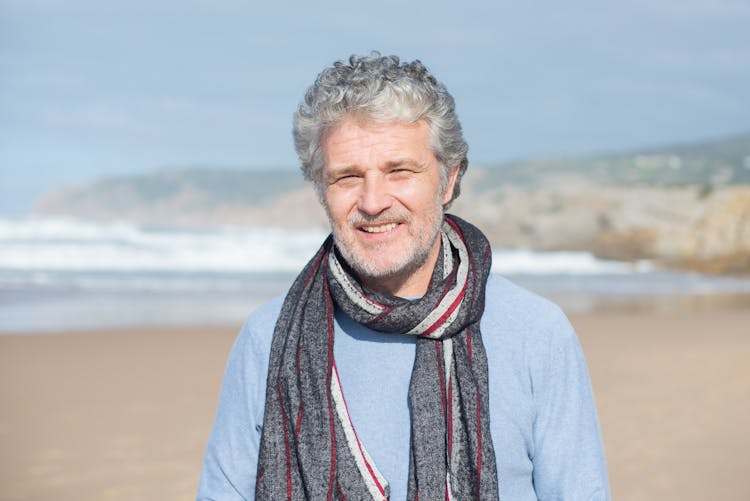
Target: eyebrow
point(399, 162)
point(343, 171)
point(347, 170)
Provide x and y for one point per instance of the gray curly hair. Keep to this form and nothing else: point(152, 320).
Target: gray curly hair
point(384, 89)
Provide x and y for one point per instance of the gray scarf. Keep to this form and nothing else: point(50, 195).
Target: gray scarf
point(309, 450)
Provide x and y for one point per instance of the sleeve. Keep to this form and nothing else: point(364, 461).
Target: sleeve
point(568, 457)
point(230, 463)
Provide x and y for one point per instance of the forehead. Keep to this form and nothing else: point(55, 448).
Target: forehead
point(361, 141)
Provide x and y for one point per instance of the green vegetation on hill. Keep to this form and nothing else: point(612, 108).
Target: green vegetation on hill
point(200, 186)
point(720, 162)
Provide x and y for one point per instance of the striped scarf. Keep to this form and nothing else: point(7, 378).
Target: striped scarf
point(309, 449)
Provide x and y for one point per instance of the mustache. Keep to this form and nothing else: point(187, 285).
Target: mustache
point(357, 219)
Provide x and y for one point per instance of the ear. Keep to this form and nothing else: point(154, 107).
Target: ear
point(448, 193)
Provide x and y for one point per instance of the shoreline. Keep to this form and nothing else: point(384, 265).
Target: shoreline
point(125, 413)
point(32, 313)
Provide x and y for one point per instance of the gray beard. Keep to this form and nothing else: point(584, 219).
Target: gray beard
point(413, 262)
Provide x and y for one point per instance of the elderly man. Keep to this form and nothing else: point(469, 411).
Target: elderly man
point(397, 366)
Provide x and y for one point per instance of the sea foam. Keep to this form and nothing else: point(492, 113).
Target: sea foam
point(35, 244)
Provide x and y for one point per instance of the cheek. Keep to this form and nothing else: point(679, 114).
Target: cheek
point(337, 204)
point(422, 194)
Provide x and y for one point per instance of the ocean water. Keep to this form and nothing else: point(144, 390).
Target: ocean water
point(64, 274)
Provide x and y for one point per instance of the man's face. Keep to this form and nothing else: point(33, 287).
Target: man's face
point(382, 191)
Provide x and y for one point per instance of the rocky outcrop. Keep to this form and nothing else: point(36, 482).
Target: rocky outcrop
point(684, 227)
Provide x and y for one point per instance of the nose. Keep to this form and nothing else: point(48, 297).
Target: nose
point(374, 197)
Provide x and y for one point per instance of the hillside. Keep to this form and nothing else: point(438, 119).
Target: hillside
point(192, 197)
point(685, 206)
point(719, 162)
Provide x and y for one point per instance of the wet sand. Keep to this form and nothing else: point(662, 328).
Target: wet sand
point(125, 414)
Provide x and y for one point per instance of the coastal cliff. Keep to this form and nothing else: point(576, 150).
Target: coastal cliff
point(686, 206)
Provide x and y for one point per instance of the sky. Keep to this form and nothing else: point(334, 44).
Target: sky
point(90, 89)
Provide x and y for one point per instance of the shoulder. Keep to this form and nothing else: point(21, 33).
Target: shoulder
point(253, 344)
point(542, 388)
point(258, 328)
point(521, 313)
point(265, 315)
point(527, 337)
point(230, 462)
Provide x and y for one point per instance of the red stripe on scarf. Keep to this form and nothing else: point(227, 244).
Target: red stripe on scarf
point(455, 227)
point(479, 444)
point(447, 313)
point(441, 377)
point(459, 298)
point(448, 286)
point(450, 420)
point(381, 315)
point(329, 373)
point(314, 268)
point(286, 444)
point(298, 425)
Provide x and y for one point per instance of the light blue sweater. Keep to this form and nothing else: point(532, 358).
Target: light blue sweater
point(542, 415)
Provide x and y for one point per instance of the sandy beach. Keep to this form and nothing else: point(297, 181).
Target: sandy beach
point(125, 414)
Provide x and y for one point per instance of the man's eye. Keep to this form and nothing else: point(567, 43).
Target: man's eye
point(346, 178)
point(401, 174)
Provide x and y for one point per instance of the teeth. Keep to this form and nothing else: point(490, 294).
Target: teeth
point(379, 229)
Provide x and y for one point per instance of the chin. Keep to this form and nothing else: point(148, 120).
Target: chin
point(370, 269)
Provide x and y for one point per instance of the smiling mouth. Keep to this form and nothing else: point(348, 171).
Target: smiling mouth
point(382, 228)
